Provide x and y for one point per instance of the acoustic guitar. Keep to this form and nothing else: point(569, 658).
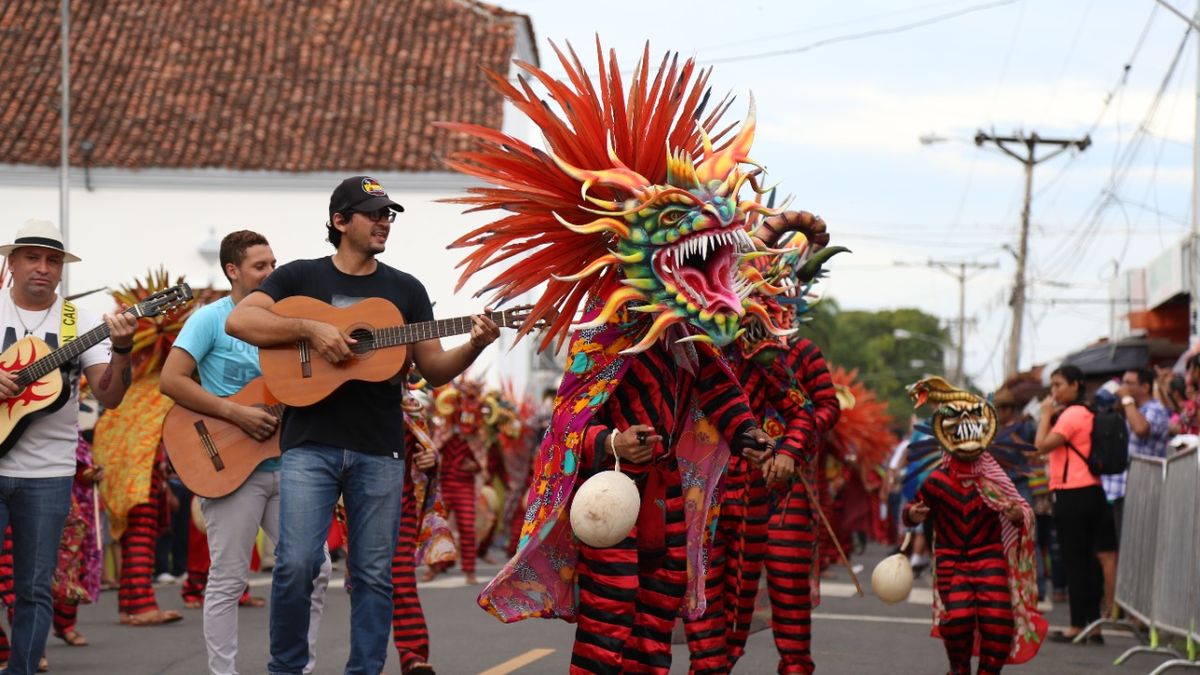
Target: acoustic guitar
point(212, 455)
point(38, 368)
point(298, 376)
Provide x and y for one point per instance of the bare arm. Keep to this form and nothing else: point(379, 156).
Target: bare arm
point(1046, 440)
point(177, 383)
point(253, 321)
point(1138, 423)
point(438, 366)
point(110, 382)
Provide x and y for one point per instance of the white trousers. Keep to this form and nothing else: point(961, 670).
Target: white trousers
point(233, 522)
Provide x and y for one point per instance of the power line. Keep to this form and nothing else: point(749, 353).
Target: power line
point(866, 34)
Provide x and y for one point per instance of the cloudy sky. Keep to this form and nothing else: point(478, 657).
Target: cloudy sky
point(844, 91)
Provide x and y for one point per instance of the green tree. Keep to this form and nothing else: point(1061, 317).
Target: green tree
point(867, 341)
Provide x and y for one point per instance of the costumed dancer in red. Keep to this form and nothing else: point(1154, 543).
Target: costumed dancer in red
point(425, 538)
point(634, 214)
point(985, 585)
point(777, 376)
point(457, 433)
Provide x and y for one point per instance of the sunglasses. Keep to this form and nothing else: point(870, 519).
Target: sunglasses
point(382, 214)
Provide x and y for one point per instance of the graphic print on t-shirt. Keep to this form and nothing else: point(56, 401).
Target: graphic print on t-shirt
point(342, 301)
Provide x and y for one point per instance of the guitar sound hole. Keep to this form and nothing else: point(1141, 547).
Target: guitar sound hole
point(365, 341)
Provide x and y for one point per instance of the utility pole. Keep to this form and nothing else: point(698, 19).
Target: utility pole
point(1028, 157)
point(958, 270)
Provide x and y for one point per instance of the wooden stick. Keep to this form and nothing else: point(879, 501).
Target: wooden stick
point(96, 518)
point(812, 497)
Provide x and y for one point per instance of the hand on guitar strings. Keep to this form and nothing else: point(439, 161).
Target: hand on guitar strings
point(8, 384)
point(256, 422)
point(328, 341)
point(121, 327)
point(484, 332)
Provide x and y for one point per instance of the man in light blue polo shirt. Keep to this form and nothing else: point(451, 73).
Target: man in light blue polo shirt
point(225, 364)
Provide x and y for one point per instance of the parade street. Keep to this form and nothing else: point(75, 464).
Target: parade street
point(851, 636)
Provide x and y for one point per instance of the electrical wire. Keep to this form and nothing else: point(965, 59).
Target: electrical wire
point(865, 34)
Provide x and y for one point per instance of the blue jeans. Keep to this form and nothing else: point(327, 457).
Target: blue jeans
point(36, 508)
point(310, 480)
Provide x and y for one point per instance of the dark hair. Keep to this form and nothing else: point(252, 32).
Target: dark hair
point(1144, 375)
point(1178, 386)
point(1073, 375)
point(334, 235)
point(234, 245)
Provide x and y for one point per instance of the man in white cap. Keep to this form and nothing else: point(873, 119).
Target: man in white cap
point(37, 452)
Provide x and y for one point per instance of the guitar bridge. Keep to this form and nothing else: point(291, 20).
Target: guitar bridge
point(210, 447)
point(305, 359)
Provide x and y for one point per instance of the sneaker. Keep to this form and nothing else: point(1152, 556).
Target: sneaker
point(165, 578)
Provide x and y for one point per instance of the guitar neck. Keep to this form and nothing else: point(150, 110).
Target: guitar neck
point(428, 330)
point(55, 359)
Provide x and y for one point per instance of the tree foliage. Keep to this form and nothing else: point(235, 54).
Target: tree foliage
point(867, 341)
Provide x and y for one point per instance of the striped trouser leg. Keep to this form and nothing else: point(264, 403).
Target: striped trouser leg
point(746, 552)
point(976, 597)
point(136, 594)
point(6, 590)
point(198, 562)
point(625, 614)
point(660, 594)
point(459, 497)
point(65, 615)
point(608, 586)
point(409, 632)
point(790, 543)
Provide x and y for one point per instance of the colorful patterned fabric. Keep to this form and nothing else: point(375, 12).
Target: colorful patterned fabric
point(539, 581)
point(77, 577)
point(434, 539)
point(126, 444)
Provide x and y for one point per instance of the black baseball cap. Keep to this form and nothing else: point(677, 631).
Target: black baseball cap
point(360, 193)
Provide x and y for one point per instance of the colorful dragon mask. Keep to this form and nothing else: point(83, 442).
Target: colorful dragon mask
point(783, 282)
point(638, 202)
point(963, 424)
point(460, 404)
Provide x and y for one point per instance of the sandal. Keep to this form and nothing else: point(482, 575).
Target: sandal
point(252, 601)
point(428, 575)
point(193, 604)
point(73, 638)
point(43, 665)
point(420, 668)
point(154, 618)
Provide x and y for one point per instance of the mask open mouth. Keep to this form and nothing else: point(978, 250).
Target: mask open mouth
point(703, 268)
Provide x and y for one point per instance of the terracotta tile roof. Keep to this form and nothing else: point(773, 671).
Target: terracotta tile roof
point(299, 85)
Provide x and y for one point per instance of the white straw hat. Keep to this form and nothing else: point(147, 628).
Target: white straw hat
point(40, 233)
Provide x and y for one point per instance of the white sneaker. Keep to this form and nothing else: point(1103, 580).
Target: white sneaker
point(165, 578)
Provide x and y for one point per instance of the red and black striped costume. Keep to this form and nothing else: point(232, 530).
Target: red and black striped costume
point(136, 593)
point(460, 495)
point(630, 595)
point(972, 573)
point(409, 630)
point(794, 386)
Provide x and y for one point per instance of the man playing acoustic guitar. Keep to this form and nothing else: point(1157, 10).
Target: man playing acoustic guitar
point(226, 364)
point(352, 441)
point(37, 471)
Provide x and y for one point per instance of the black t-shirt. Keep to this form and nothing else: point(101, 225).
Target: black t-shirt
point(361, 416)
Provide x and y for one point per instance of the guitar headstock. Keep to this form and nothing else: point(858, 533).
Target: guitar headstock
point(518, 317)
point(163, 301)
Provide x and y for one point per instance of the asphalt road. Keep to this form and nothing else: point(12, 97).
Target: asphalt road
point(851, 636)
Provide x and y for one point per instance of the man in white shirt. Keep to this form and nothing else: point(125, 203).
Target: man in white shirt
point(37, 470)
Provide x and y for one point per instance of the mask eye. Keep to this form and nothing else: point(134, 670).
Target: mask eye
point(671, 217)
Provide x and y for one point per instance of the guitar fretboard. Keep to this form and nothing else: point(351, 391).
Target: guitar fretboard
point(428, 330)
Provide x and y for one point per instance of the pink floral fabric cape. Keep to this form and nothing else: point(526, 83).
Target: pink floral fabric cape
point(540, 580)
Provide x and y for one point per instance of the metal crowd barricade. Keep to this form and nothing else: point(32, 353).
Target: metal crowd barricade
point(1138, 575)
point(1177, 589)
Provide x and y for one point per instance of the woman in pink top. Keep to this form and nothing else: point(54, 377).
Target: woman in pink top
point(1082, 516)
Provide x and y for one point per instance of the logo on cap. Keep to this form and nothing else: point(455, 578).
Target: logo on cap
point(373, 188)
